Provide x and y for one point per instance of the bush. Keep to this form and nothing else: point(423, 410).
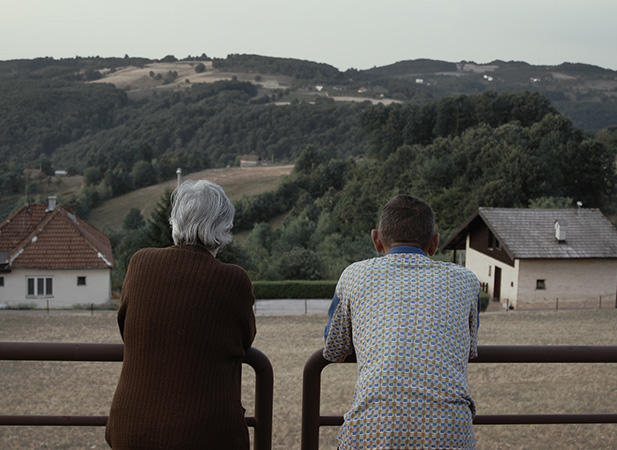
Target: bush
point(293, 289)
point(484, 300)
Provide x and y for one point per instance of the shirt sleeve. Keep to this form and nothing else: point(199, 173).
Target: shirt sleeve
point(474, 325)
point(338, 337)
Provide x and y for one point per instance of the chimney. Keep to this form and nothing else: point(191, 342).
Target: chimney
point(560, 230)
point(51, 203)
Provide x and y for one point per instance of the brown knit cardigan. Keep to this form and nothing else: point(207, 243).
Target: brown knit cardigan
point(187, 321)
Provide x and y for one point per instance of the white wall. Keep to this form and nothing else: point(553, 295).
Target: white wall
point(484, 266)
point(575, 282)
point(66, 293)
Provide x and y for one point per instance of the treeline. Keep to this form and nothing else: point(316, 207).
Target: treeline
point(68, 69)
point(295, 68)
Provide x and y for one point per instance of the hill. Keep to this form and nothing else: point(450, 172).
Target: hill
point(237, 182)
point(128, 123)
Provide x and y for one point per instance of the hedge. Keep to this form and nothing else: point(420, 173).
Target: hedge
point(312, 289)
point(294, 289)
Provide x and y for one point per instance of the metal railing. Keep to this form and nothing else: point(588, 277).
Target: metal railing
point(312, 419)
point(261, 422)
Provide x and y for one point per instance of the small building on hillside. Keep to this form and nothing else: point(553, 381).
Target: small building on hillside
point(541, 258)
point(250, 160)
point(33, 174)
point(48, 254)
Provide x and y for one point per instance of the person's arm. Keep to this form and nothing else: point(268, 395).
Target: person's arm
point(333, 305)
point(337, 334)
point(474, 324)
point(126, 293)
point(121, 317)
point(249, 330)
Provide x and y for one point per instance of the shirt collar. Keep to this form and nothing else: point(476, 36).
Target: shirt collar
point(406, 249)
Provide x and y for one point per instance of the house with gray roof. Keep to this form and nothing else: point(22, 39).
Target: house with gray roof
point(540, 258)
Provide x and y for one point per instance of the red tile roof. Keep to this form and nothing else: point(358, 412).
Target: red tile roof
point(38, 238)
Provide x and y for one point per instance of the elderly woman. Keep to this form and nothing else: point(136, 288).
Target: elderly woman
point(187, 321)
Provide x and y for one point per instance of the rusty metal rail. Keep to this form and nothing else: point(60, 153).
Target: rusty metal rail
point(312, 419)
point(38, 351)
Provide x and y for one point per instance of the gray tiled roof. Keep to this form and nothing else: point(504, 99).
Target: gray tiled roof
point(530, 233)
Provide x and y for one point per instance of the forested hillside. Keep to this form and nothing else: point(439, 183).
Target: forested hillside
point(461, 135)
point(500, 150)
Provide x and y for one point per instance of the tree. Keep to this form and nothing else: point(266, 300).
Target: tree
point(300, 264)
point(45, 165)
point(551, 203)
point(200, 68)
point(92, 176)
point(133, 220)
point(158, 229)
point(143, 174)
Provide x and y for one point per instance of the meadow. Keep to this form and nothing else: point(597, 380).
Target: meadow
point(237, 182)
point(288, 341)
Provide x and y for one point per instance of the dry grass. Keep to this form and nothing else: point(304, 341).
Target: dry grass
point(138, 78)
point(76, 388)
point(236, 181)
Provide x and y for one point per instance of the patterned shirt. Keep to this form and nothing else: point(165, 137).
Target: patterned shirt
point(413, 324)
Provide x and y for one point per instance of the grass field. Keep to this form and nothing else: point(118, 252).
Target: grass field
point(236, 181)
point(87, 388)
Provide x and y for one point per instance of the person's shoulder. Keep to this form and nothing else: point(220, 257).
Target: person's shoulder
point(232, 268)
point(234, 271)
point(145, 253)
point(457, 269)
point(360, 266)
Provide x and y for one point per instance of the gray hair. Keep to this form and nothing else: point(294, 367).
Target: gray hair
point(201, 212)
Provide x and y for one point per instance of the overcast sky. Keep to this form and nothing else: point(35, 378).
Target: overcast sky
point(343, 33)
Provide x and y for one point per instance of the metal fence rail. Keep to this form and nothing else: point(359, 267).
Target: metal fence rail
point(38, 351)
point(312, 419)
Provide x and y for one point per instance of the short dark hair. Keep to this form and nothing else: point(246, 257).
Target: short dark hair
point(407, 219)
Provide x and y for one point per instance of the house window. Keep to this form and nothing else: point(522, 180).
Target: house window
point(540, 284)
point(81, 281)
point(40, 286)
point(1, 281)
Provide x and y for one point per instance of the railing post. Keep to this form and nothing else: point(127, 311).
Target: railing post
point(311, 400)
point(264, 392)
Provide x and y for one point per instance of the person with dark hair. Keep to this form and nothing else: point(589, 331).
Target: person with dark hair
point(412, 323)
point(187, 322)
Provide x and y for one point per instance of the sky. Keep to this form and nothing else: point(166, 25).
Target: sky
point(343, 33)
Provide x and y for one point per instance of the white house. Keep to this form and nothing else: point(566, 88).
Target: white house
point(48, 254)
point(541, 258)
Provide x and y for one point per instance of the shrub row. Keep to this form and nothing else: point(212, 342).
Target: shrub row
point(293, 289)
point(312, 289)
